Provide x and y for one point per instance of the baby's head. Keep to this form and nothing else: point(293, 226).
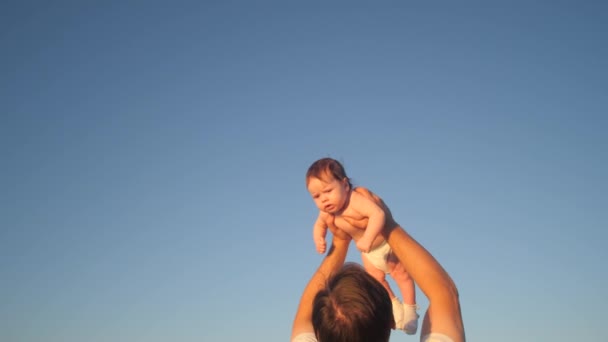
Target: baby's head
point(327, 169)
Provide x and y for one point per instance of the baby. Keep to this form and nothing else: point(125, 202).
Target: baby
point(360, 214)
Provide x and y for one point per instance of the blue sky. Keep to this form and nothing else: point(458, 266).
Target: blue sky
point(154, 156)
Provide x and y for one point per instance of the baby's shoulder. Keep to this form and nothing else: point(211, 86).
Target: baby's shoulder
point(365, 192)
point(364, 196)
point(325, 216)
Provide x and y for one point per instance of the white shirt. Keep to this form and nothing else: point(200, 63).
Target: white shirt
point(432, 337)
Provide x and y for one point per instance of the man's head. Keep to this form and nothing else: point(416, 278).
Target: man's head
point(353, 307)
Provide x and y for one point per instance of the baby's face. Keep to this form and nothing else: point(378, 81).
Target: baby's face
point(329, 195)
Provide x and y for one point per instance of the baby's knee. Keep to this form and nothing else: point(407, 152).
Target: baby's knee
point(399, 274)
point(376, 274)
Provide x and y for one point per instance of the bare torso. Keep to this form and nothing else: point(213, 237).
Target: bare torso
point(353, 223)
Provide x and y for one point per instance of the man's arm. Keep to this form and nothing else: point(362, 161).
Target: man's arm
point(302, 323)
point(443, 315)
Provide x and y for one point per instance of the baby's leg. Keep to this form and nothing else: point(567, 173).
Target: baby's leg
point(403, 280)
point(380, 276)
point(377, 274)
point(408, 291)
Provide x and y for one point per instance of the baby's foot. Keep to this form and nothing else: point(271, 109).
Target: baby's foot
point(398, 313)
point(410, 318)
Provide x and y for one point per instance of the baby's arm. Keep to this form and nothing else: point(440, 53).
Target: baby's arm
point(376, 220)
point(319, 232)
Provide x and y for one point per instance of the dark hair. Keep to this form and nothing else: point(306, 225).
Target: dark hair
point(353, 307)
point(325, 167)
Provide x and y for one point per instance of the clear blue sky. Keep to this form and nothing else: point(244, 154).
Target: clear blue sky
point(153, 160)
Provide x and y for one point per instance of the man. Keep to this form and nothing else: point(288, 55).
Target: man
point(333, 310)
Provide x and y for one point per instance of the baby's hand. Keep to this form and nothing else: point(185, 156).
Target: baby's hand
point(321, 245)
point(364, 245)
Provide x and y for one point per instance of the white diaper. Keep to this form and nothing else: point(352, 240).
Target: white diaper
point(379, 256)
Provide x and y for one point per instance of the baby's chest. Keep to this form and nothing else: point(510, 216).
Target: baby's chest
point(350, 224)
